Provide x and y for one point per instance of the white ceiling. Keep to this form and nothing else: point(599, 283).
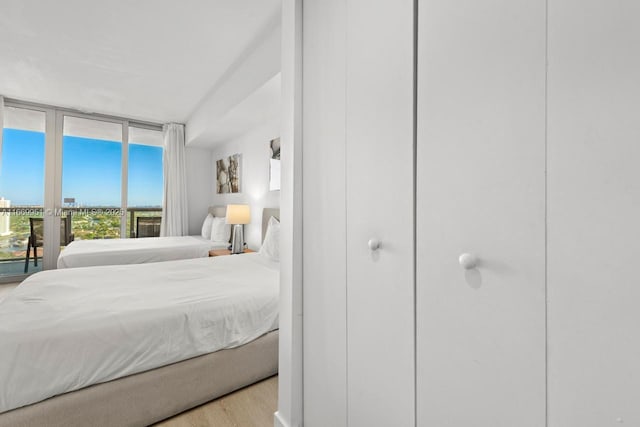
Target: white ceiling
point(146, 59)
point(259, 108)
point(240, 101)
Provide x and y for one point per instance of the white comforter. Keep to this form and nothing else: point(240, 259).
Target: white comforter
point(85, 253)
point(63, 330)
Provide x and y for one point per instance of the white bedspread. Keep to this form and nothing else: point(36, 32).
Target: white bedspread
point(85, 253)
point(63, 330)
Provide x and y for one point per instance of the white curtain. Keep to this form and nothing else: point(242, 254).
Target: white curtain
point(174, 202)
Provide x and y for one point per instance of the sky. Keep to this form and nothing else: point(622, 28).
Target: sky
point(91, 171)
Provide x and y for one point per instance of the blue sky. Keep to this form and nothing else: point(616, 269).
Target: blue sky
point(91, 171)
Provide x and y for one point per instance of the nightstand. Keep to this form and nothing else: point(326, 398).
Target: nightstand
point(222, 252)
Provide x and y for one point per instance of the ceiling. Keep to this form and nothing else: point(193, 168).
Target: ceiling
point(259, 108)
point(152, 60)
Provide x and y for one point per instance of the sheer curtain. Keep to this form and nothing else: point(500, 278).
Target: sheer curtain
point(174, 202)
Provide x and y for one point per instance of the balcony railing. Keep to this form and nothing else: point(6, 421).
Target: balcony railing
point(132, 215)
point(96, 222)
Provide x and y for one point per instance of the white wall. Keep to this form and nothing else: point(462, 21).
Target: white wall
point(199, 186)
point(254, 185)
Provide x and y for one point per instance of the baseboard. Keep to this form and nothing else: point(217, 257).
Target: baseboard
point(278, 421)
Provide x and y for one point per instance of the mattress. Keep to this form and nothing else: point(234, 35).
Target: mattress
point(85, 253)
point(63, 330)
point(143, 399)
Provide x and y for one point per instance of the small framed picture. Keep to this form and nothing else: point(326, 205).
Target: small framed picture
point(274, 165)
point(228, 174)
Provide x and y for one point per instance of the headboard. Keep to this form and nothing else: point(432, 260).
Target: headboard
point(218, 211)
point(266, 214)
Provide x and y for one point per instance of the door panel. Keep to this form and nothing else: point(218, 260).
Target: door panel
point(481, 189)
point(379, 201)
point(324, 208)
point(594, 206)
point(91, 176)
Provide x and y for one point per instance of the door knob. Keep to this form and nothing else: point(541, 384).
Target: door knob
point(374, 244)
point(468, 261)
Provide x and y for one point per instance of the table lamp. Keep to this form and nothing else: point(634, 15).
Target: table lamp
point(238, 215)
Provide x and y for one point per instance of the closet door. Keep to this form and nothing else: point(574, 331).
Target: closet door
point(481, 190)
point(379, 197)
point(594, 208)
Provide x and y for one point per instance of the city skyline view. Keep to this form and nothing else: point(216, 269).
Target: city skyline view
point(91, 172)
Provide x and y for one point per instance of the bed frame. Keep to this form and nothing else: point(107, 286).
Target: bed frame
point(148, 397)
point(219, 211)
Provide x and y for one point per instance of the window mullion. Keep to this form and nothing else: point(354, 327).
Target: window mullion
point(125, 178)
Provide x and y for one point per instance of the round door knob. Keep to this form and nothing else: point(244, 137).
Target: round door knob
point(374, 244)
point(468, 261)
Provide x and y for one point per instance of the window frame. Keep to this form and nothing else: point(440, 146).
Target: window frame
point(54, 129)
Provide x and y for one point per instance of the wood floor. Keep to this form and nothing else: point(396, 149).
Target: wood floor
point(252, 406)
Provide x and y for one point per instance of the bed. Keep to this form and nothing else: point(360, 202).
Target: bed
point(135, 344)
point(85, 253)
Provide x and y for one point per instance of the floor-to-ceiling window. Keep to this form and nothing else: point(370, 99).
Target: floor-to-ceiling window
point(92, 177)
point(22, 188)
point(145, 178)
point(74, 176)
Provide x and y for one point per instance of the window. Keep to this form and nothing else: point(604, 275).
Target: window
point(103, 172)
point(145, 176)
point(21, 185)
point(92, 177)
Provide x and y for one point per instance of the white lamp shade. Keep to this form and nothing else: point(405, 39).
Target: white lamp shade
point(238, 214)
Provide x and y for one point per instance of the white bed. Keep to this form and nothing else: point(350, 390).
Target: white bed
point(85, 253)
point(64, 330)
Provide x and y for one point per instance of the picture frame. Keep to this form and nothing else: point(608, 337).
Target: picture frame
point(274, 164)
point(228, 174)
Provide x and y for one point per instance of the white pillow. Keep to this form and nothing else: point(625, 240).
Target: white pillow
point(271, 246)
point(220, 230)
point(206, 227)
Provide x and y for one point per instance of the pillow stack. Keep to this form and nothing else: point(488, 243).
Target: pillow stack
point(220, 230)
point(216, 229)
point(271, 246)
point(206, 227)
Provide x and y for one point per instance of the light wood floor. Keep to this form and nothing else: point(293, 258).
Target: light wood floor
point(252, 406)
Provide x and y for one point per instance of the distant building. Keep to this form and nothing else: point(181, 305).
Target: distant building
point(4, 217)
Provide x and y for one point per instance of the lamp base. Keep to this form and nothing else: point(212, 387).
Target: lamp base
point(237, 241)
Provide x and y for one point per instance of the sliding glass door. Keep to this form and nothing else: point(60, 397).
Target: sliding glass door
point(91, 179)
point(66, 176)
point(145, 182)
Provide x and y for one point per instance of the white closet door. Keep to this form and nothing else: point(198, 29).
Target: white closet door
point(481, 190)
point(324, 209)
point(594, 212)
point(379, 199)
